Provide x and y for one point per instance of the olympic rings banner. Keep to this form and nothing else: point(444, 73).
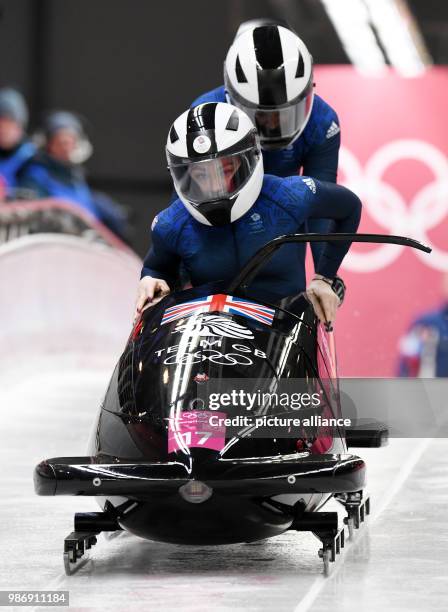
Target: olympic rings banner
point(394, 156)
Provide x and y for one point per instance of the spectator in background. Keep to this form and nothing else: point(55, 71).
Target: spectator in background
point(424, 348)
point(15, 149)
point(56, 171)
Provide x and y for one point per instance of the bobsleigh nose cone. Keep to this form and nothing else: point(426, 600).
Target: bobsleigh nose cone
point(44, 479)
point(195, 492)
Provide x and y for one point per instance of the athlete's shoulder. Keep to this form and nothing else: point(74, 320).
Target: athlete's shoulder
point(322, 111)
point(215, 95)
point(169, 223)
point(323, 123)
point(288, 191)
point(271, 188)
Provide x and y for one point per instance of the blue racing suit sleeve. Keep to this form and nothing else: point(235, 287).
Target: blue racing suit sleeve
point(161, 261)
point(321, 162)
point(343, 207)
point(329, 201)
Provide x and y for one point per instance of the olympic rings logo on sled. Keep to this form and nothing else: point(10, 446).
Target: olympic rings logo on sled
point(213, 355)
point(388, 207)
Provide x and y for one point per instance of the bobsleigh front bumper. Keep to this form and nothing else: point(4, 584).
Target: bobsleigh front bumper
point(310, 474)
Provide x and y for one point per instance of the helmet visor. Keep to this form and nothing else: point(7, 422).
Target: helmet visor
point(218, 178)
point(280, 126)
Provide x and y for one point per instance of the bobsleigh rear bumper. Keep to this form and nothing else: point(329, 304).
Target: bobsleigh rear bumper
point(310, 474)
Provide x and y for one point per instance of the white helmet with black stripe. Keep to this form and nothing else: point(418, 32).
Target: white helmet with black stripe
point(214, 157)
point(268, 73)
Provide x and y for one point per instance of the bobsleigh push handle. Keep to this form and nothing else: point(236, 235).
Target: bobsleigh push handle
point(252, 267)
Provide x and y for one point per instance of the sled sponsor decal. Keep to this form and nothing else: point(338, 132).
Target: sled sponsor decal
point(210, 350)
point(193, 429)
point(215, 325)
point(220, 303)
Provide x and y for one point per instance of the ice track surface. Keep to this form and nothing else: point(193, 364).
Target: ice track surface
point(48, 399)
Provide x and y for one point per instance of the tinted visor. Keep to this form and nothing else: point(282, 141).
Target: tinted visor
point(217, 178)
point(280, 126)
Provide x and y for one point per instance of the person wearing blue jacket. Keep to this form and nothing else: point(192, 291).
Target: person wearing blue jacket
point(268, 73)
point(424, 348)
point(56, 171)
point(15, 149)
point(228, 209)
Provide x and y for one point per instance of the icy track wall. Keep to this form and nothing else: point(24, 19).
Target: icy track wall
point(64, 296)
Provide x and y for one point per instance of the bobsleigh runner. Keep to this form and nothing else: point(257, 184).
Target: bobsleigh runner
point(164, 470)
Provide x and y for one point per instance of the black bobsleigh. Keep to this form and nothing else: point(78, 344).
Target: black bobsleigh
point(162, 471)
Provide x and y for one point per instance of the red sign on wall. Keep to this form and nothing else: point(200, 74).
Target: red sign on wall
point(394, 156)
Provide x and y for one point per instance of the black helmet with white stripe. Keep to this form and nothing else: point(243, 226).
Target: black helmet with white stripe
point(268, 73)
point(214, 157)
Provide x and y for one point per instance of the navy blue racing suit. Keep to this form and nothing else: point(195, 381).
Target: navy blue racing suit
point(210, 253)
point(315, 151)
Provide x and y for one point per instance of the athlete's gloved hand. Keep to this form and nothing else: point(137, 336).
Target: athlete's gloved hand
point(324, 300)
point(150, 292)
